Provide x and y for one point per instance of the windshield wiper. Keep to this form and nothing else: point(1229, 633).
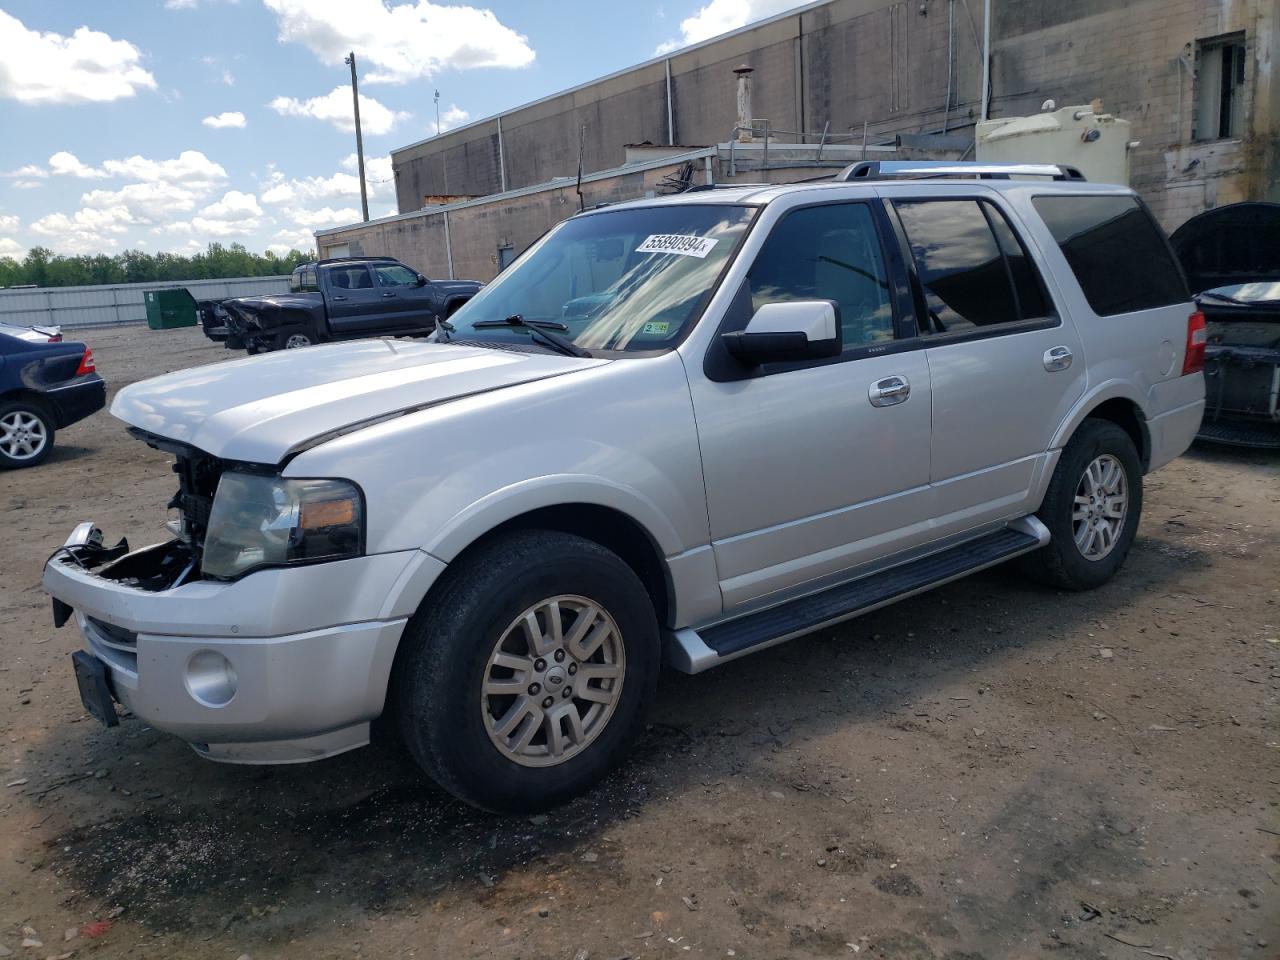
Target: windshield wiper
point(445, 327)
point(539, 329)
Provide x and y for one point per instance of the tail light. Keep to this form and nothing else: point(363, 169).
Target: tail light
point(56, 338)
point(88, 366)
point(1197, 335)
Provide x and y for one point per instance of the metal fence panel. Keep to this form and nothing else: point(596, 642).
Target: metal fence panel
point(118, 303)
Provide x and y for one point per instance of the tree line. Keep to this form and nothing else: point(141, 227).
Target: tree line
point(43, 268)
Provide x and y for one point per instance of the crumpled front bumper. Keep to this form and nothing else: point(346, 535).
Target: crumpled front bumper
point(281, 666)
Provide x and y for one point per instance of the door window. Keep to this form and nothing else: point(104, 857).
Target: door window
point(964, 273)
point(395, 275)
point(350, 278)
point(830, 252)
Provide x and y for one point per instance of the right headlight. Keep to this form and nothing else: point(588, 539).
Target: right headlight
point(266, 521)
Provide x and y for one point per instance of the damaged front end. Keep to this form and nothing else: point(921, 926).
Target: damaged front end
point(1242, 377)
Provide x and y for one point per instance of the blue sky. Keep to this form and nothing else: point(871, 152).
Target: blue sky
point(167, 124)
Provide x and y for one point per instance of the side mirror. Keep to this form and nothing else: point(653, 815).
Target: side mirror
point(422, 281)
point(786, 332)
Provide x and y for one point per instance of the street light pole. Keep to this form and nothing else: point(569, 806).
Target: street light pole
point(355, 98)
point(437, 113)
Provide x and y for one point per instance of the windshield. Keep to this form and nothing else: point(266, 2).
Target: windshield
point(1258, 292)
point(618, 280)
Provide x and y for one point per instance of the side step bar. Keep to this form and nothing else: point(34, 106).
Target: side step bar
point(693, 651)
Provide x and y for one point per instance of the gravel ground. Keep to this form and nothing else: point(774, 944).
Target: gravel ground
point(989, 770)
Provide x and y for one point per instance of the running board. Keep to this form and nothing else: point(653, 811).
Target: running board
point(693, 651)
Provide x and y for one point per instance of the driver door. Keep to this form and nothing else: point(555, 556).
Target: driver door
point(814, 468)
point(407, 303)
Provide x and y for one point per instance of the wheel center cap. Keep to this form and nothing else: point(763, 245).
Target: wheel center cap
point(556, 677)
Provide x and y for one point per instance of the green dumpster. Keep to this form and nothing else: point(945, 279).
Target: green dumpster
point(167, 309)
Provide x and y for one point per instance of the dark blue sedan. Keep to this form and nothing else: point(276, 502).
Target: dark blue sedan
point(43, 388)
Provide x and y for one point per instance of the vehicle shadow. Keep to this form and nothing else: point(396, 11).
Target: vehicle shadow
point(203, 847)
point(68, 453)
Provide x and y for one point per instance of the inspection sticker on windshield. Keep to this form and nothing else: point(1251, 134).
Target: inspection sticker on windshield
point(684, 245)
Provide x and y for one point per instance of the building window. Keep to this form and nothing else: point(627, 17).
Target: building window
point(1220, 87)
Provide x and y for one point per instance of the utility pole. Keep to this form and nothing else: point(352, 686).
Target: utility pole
point(437, 113)
point(355, 98)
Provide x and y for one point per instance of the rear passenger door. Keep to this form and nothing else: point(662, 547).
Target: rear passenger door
point(354, 303)
point(1005, 365)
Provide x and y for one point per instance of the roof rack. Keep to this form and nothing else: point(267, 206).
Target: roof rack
point(960, 169)
point(361, 259)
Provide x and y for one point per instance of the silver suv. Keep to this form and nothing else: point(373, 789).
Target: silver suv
point(686, 428)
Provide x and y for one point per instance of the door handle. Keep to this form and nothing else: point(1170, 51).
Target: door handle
point(336, 297)
point(1057, 358)
point(388, 294)
point(887, 392)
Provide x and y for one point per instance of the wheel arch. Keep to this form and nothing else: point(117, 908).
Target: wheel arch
point(1115, 402)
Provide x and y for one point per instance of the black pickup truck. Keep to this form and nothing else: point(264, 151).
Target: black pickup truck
point(344, 299)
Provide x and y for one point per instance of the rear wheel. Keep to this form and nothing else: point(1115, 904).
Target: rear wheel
point(524, 680)
point(1092, 509)
point(26, 434)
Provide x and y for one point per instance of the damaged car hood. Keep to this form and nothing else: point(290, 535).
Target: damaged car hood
point(263, 408)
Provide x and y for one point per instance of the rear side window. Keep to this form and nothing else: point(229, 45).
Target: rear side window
point(350, 278)
point(973, 268)
point(1116, 251)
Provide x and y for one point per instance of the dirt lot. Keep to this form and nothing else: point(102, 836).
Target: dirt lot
point(991, 770)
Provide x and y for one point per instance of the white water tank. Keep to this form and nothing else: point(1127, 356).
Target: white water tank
point(1084, 137)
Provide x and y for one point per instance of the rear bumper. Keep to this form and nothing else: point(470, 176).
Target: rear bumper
point(280, 666)
point(1172, 432)
point(75, 401)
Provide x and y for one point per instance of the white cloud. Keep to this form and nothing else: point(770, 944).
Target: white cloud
point(228, 77)
point(294, 240)
point(12, 248)
point(30, 170)
point(179, 4)
point(336, 108)
point(378, 180)
point(86, 231)
point(88, 66)
point(721, 16)
point(376, 169)
point(404, 41)
point(455, 116)
point(8, 223)
point(65, 164)
point(324, 217)
point(191, 167)
point(231, 118)
point(146, 202)
point(234, 205)
point(27, 184)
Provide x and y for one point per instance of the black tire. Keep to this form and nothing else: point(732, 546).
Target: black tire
point(444, 660)
point(1062, 563)
point(25, 409)
point(253, 350)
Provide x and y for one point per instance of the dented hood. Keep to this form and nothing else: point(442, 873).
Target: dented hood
point(263, 408)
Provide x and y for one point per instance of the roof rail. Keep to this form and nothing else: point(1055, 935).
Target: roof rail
point(357, 259)
point(961, 169)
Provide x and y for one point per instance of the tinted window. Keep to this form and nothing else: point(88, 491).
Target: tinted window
point(828, 253)
point(961, 268)
point(1032, 301)
point(1115, 250)
point(395, 275)
point(350, 278)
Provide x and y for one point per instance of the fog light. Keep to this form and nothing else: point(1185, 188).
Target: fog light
point(211, 679)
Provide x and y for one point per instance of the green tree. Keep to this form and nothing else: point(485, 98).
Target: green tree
point(43, 268)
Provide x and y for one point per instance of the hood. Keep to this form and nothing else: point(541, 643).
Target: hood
point(263, 408)
point(1238, 243)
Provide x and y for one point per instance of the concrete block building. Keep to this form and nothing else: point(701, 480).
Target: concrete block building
point(1193, 77)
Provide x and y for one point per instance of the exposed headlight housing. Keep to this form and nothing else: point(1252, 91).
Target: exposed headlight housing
point(266, 521)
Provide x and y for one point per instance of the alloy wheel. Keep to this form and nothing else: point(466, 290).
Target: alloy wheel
point(1100, 508)
point(552, 681)
point(23, 435)
point(297, 340)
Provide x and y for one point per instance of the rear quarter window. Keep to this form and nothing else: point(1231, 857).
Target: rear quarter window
point(1116, 251)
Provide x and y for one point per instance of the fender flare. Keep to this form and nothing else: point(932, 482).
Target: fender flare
point(1091, 400)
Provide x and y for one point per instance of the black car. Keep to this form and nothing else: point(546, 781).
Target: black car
point(43, 388)
point(343, 299)
point(1231, 256)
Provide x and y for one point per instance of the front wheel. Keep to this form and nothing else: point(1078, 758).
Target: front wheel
point(1092, 509)
point(525, 679)
point(294, 341)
